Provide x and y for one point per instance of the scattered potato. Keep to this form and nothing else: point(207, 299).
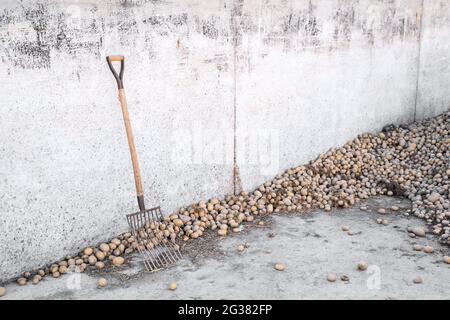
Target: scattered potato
point(173, 286)
point(279, 267)
point(331, 277)
point(362, 266)
point(102, 282)
point(118, 261)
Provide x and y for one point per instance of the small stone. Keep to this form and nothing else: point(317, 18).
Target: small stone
point(363, 208)
point(345, 228)
point(350, 233)
point(417, 247)
point(102, 282)
point(447, 259)
point(385, 222)
point(279, 267)
point(395, 208)
point(418, 280)
point(428, 249)
point(345, 278)
point(382, 211)
point(241, 248)
point(331, 277)
point(379, 221)
point(173, 286)
point(2, 291)
point(268, 251)
point(362, 266)
point(390, 193)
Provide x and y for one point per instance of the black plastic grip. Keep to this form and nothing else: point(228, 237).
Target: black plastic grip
point(118, 76)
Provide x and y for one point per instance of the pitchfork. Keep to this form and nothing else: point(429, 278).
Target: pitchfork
point(156, 250)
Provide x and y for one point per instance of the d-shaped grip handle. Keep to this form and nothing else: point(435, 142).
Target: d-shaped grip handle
point(118, 76)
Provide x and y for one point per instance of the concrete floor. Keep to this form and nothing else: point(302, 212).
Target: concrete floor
point(310, 245)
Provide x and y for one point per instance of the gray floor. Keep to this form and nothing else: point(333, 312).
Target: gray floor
point(310, 246)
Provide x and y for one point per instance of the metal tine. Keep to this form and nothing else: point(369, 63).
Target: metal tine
point(157, 253)
point(151, 264)
point(148, 261)
point(154, 260)
point(175, 250)
point(163, 252)
point(145, 260)
point(157, 249)
point(169, 250)
point(158, 213)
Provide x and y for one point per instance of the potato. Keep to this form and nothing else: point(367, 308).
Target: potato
point(36, 279)
point(279, 267)
point(99, 265)
point(56, 274)
point(222, 232)
point(173, 286)
point(116, 242)
point(100, 255)
point(63, 269)
point(104, 247)
point(362, 266)
point(22, 281)
point(428, 249)
point(118, 261)
point(88, 251)
point(102, 282)
point(92, 260)
point(2, 291)
point(331, 277)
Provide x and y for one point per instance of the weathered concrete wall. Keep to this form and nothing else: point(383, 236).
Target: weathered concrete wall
point(223, 95)
point(433, 95)
point(317, 73)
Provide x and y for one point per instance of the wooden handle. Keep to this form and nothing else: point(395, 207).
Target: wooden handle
point(134, 158)
point(115, 58)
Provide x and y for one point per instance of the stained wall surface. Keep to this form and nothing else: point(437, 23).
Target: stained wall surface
point(223, 95)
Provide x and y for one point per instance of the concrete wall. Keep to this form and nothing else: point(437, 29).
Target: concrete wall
point(433, 95)
point(223, 94)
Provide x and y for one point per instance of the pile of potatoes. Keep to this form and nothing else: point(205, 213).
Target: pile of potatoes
point(411, 161)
